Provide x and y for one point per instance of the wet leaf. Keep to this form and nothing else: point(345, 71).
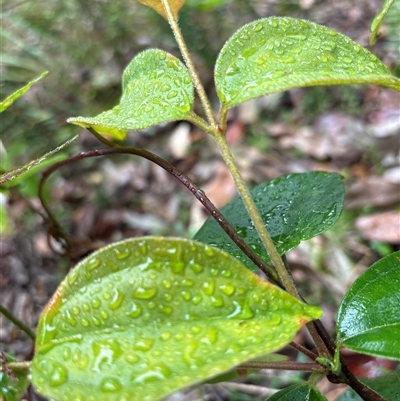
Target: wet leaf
point(369, 315)
point(295, 207)
point(156, 88)
point(142, 318)
point(377, 21)
point(6, 103)
point(157, 5)
point(279, 53)
point(298, 392)
point(387, 386)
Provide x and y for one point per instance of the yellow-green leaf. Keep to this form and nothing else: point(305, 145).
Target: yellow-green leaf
point(142, 318)
point(279, 53)
point(377, 21)
point(6, 103)
point(157, 5)
point(156, 88)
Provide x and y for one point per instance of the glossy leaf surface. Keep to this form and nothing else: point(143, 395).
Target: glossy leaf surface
point(387, 386)
point(279, 53)
point(139, 319)
point(157, 5)
point(369, 315)
point(377, 22)
point(156, 88)
point(298, 392)
point(6, 103)
point(295, 207)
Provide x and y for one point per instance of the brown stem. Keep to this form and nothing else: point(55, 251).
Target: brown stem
point(299, 366)
point(303, 350)
point(214, 212)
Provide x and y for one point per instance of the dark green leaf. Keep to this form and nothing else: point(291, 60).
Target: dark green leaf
point(369, 315)
point(298, 392)
point(387, 386)
point(294, 208)
point(13, 385)
point(377, 22)
point(6, 103)
point(156, 88)
point(139, 319)
point(279, 53)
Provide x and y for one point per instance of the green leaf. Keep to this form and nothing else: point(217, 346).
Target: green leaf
point(298, 392)
point(377, 21)
point(369, 315)
point(387, 386)
point(142, 318)
point(6, 103)
point(14, 176)
point(156, 88)
point(13, 388)
point(279, 53)
point(295, 207)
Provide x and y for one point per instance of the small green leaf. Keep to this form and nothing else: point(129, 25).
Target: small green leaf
point(156, 88)
point(369, 315)
point(142, 318)
point(298, 392)
point(387, 386)
point(6, 103)
point(377, 21)
point(295, 207)
point(14, 384)
point(13, 176)
point(279, 53)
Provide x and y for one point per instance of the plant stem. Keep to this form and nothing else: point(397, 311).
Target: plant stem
point(299, 366)
point(303, 350)
point(189, 63)
point(214, 212)
point(19, 366)
point(255, 215)
point(17, 322)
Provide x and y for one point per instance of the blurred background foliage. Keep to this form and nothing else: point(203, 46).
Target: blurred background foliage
point(85, 45)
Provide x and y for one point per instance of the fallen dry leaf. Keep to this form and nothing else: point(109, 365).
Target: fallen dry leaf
point(157, 5)
point(384, 227)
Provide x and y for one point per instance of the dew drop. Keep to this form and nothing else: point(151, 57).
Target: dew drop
point(209, 287)
point(165, 88)
point(122, 254)
point(196, 299)
point(144, 344)
point(58, 375)
point(86, 307)
point(104, 314)
point(135, 311)
point(117, 300)
point(95, 302)
point(196, 268)
point(228, 289)
point(186, 295)
point(93, 264)
point(166, 335)
point(106, 296)
point(66, 353)
point(167, 284)
point(258, 27)
point(217, 301)
point(75, 310)
point(73, 276)
point(85, 323)
point(145, 292)
point(151, 305)
point(97, 322)
point(186, 283)
point(172, 94)
point(110, 385)
point(131, 358)
point(211, 336)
